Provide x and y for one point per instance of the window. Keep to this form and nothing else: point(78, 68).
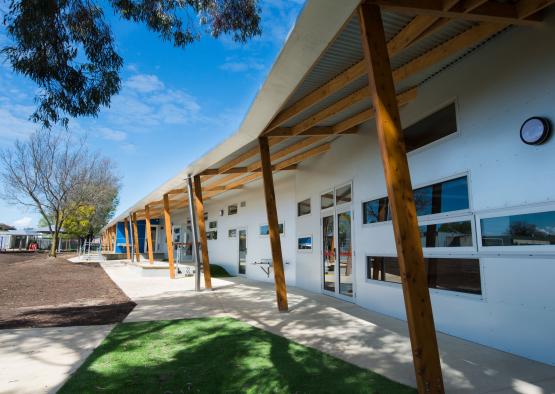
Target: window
point(343, 195)
point(212, 235)
point(232, 233)
point(303, 207)
point(442, 197)
point(265, 230)
point(453, 274)
point(232, 209)
point(376, 211)
point(304, 243)
point(432, 128)
point(326, 200)
point(243, 204)
point(446, 235)
point(519, 230)
point(213, 224)
point(205, 217)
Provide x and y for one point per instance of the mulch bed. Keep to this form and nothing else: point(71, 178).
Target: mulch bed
point(37, 291)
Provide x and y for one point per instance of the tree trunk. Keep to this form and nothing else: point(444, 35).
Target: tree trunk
point(54, 246)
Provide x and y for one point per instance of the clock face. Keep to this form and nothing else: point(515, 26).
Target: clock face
point(534, 131)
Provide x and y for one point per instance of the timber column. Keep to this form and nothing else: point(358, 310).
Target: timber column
point(169, 241)
point(126, 229)
point(273, 225)
point(399, 190)
point(149, 235)
point(199, 205)
point(136, 238)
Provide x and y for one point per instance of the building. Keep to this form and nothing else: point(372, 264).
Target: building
point(19, 240)
point(475, 87)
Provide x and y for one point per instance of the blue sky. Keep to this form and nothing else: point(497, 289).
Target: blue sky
point(174, 106)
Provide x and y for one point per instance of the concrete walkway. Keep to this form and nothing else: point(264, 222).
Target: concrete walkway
point(342, 329)
point(39, 360)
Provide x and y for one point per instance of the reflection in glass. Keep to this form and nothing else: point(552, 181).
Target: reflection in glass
point(303, 207)
point(304, 243)
point(232, 233)
point(345, 271)
point(517, 230)
point(446, 235)
point(326, 200)
point(328, 254)
point(265, 230)
point(232, 209)
point(242, 251)
point(453, 274)
point(376, 211)
point(343, 195)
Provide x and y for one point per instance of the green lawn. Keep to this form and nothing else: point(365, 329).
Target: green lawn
point(215, 355)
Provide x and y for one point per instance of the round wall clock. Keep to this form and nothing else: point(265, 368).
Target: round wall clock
point(535, 131)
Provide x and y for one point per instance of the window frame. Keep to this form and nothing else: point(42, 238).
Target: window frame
point(529, 250)
point(305, 250)
point(306, 214)
point(437, 292)
point(456, 134)
point(448, 251)
point(268, 235)
point(433, 216)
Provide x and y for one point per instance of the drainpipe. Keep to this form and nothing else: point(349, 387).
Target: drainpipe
point(192, 213)
point(132, 240)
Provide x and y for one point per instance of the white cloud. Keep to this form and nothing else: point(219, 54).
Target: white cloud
point(234, 65)
point(24, 222)
point(144, 83)
point(14, 122)
point(111, 134)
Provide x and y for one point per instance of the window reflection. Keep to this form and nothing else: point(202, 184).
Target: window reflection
point(446, 235)
point(303, 207)
point(343, 195)
point(518, 230)
point(326, 200)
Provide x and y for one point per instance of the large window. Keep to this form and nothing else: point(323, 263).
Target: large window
point(453, 274)
point(432, 128)
point(265, 230)
point(519, 230)
point(441, 197)
point(447, 235)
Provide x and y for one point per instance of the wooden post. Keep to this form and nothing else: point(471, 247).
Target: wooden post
point(199, 204)
point(399, 189)
point(169, 241)
point(126, 229)
point(136, 238)
point(273, 224)
point(149, 235)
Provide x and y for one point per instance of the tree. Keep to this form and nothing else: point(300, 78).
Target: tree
point(67, 48)
point(56, 175)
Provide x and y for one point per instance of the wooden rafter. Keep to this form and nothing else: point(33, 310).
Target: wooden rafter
point(490, 11)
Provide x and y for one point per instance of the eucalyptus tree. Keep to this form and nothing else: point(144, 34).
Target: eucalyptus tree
point(67, 47)
point(55, 174)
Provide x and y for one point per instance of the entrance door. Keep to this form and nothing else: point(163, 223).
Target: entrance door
point(337, 242)
point(242, 251)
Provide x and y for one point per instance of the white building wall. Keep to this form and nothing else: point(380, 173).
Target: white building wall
point(495, 91)
point(225, 251)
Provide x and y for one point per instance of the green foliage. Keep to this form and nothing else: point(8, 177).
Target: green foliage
point(216, 355)
point(217, 271)
point(67, 48)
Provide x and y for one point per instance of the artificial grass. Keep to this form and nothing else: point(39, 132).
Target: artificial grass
point(217, 271)
point(215, 355)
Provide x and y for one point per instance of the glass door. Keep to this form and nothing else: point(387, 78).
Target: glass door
point(242, 251)
point(345, 255)
point(328, 253)
point(337, 242)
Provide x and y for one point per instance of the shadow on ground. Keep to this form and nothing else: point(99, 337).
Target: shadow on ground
point(216, 355)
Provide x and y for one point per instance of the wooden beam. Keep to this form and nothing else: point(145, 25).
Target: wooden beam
point(495, 12)
point(136, 238)
point(169, 240)
point(149, 235)
point(273, 225)
point(399, 189)
point(199, 205)
point(127, 247)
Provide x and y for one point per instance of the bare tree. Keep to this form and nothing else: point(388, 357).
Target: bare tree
point(55, 174)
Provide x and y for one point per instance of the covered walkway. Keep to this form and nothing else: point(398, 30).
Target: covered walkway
point(342, 329)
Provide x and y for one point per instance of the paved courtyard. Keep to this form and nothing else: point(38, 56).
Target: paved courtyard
point(39, 360)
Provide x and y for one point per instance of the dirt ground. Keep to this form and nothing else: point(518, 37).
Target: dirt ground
point(37, 291)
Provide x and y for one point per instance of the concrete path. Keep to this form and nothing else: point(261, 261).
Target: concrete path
point(39, 360)
point(342, 329)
